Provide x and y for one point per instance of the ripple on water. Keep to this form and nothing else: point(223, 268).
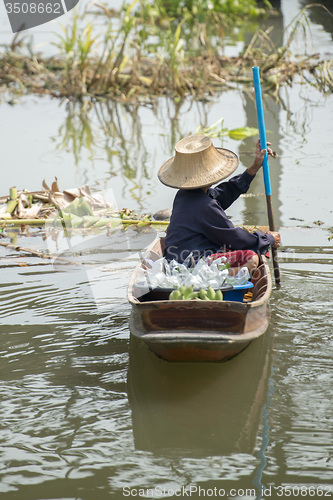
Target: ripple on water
point(68, 425)
point(302, 400)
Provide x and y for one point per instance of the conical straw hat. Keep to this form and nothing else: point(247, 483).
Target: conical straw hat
point(197, 163)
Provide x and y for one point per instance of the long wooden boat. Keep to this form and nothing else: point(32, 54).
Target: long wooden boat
point(195, 330)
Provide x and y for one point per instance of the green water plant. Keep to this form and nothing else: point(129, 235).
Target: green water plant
point(76, 46)
point(218, 130)
point(227, 12)
point(155, 48)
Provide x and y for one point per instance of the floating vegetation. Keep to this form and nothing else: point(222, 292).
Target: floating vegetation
point(71, 208)
point(76, 208)
point(218, 130)
point(323, 76)
point(150, 49)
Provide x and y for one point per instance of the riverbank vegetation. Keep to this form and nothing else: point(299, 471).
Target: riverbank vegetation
point(149, 49)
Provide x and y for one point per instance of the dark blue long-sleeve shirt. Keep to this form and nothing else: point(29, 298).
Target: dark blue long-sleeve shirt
point(199, 224)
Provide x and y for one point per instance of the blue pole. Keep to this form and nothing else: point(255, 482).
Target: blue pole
point(262, 130)
point(265, 166)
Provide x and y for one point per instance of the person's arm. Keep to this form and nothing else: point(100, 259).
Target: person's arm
point(227, 192)
point(260, 153)
point(221, 232)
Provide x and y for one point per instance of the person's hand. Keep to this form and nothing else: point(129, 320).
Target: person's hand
point(260, 153)
point(277, 238)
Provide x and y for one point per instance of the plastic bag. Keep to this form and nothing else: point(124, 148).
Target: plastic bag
point(164, 274)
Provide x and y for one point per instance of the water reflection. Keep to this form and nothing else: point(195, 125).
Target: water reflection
point(198, 409)
point(255, 210)
point(67, 372)
point(116, 138)
point(64, 372)
point(112, 133)
point(318, 15)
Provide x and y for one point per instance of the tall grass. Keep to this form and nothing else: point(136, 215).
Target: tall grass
point(76, 47)
point(153, 48)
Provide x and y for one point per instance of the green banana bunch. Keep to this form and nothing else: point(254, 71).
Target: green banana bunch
point(210, 294)
point(187, 293)
point(183, 293)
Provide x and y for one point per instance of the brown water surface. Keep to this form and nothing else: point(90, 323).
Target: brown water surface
point(86, 412)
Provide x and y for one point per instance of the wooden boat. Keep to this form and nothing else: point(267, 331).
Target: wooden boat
point(195, 330)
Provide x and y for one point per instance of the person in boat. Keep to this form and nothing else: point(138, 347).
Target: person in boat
point(199, 226)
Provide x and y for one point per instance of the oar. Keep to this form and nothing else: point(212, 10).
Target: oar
point(265, 166)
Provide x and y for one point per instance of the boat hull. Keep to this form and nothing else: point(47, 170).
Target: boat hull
point(194, 330)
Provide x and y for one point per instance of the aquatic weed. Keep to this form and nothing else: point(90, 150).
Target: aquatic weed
point(149, 49)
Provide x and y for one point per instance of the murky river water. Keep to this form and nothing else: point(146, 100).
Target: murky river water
point(86, 413)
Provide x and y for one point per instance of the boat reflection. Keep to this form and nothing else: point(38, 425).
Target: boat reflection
point(198, 409)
